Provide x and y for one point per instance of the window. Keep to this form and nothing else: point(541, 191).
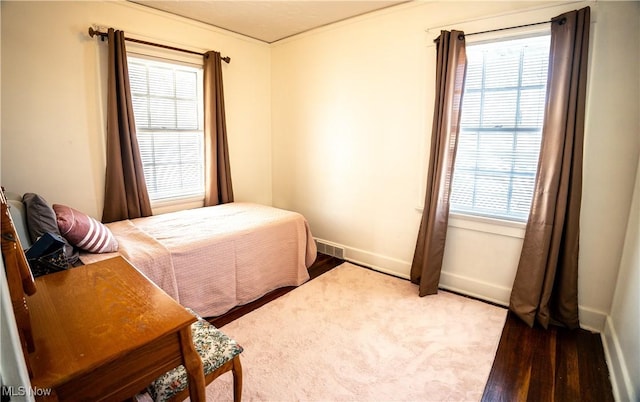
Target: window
point(500, 130)
point(167, 104)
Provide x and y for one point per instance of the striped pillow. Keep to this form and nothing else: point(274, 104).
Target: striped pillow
point(83, 231)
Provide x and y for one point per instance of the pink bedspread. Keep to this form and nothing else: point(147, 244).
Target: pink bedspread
point(215, 258)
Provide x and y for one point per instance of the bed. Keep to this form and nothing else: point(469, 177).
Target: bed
point(212, 259)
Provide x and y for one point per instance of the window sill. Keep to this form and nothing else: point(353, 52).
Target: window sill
point(486, 225)
point(162, 207)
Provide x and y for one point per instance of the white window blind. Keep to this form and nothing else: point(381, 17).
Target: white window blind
point(167, 104)
point(500, 130)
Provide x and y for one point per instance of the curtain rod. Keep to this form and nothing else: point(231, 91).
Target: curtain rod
point(103, 35)
point(507, 28)
point(513, 27)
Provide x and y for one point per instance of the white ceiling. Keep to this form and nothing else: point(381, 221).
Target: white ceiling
point(268, 20)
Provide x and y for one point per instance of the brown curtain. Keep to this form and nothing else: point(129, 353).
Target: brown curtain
point(450, 74)
point(545, 288)
point(125, 194)
point(218, 188)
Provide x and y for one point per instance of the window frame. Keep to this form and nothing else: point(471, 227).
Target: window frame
point(513, 131)
point(192, 61)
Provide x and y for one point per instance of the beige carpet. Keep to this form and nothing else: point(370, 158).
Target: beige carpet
point(358, 335)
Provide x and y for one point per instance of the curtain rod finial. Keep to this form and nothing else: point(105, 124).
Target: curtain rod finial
point(95, 30)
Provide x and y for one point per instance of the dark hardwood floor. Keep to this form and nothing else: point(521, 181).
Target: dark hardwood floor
point(531, 364)
point(557, 364)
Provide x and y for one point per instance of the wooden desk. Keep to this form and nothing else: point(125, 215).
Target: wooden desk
point(104, 331)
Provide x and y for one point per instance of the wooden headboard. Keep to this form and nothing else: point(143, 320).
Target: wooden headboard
point(19, 278)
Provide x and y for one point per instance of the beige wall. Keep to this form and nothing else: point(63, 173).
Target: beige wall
point(53, 126)
point(622, 332)
point(352, 109)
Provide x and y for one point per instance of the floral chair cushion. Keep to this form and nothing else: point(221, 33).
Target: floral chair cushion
point(214, 347)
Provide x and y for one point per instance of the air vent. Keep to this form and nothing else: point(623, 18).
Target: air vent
point(330, 249)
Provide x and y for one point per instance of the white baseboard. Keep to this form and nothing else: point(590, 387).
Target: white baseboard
point(623, 389)
point(448, 281)
point(378, 262)
point(475, 288)
point(590, 319)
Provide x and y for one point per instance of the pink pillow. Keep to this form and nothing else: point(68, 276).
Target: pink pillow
point(83, 231)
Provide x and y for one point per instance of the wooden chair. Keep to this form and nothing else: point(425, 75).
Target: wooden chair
point(219, 354)
point(19, 279)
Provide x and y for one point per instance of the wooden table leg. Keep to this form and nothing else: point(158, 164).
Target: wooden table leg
point(193, 366)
